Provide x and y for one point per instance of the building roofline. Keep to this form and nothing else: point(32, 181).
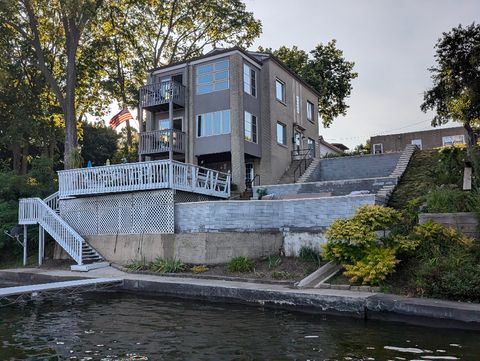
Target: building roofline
point(329, 145)
point(418, 131)
point(245, 53)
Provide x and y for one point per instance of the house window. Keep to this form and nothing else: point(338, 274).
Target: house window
point(418, 143)
point(212, 77)
point(281, 133)
point(214, 123)
point(249, 80)
point(378, 148)
point(297, 104)
point(311, 147)
point(453, 139)
point(280, 90)
point(250, 127)
point(310, 109)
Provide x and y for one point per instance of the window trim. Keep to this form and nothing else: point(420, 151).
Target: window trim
point(311, 119)
point(245, 65)
point(254, 134)
point(381, 148)
point(418, 140)
point(284, 91)
point(284, 127)
point(222, 132)
point(213, 72)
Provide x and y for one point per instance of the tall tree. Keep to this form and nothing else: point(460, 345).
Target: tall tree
point(327, 71)
point(54, 30)
point(455, 94)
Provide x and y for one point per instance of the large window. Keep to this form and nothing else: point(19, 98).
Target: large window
point(249, 80)
point(281, 133)
point(297, 104)
point(453, 139)
point(215, 123)
point(311, 146)
point(310, 110)
point(212, 77)
point(250, 127)
point(280, 90)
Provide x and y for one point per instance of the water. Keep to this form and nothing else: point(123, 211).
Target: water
point(117, 326)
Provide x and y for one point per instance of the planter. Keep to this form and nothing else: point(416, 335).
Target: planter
point(466, 222)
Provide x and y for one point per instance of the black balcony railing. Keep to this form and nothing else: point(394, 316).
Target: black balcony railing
point(159, 141)
point(158, 94)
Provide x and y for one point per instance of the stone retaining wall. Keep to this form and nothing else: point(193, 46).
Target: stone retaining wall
point(466, 222)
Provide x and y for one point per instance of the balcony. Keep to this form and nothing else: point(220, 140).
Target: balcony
point(160, 141)
point(156, 96)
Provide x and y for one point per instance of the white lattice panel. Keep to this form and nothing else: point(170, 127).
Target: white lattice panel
point(134, 213)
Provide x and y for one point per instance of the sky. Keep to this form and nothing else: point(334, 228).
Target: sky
point(390, 41)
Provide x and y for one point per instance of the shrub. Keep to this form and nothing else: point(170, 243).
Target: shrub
point(281, 275)
point(274, 261)
point(445, 199)
point(309, 254)
point(137, 265)
point(240, 264)
point(261, 192)
point(167, 265)
point(449, 169)
point(199, 268)
point(364, 245)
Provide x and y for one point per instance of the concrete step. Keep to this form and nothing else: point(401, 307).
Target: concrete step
point(320, 276)
point(89, 267)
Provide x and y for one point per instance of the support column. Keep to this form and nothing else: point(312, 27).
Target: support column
point(41, 245)
point(237, 122)
point(25, 245)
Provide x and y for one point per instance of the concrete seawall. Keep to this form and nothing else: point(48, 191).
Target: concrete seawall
point(429, 312)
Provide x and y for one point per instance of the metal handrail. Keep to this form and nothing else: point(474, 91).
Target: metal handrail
point(303, 164)
point(35, 210)
point(252, 182)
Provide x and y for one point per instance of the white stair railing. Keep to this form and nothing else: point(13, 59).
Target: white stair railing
point(53, 201)
point(35, 210)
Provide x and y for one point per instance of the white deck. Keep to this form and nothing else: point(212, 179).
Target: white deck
point(160, 174)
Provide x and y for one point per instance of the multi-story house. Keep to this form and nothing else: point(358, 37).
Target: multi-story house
point(229, 110)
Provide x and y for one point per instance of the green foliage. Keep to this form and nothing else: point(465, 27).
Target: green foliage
point(199, 268)
point(446, 200)
point(274, 261)
point(445, 265)
point(327, 71)
point(455, 94)
point(138, 265)
point(363, 245)
point(262, 192)
point(240, 264)
point(309, 254)
point(450, 167)
point(167, 265)
point(99, 143)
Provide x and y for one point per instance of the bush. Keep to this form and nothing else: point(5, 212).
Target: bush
point(309, 254)
point(364, 244)
point(167, 265)
point(240, 264)
point(137, 265)
point(199, 268)
point(281, 275)
point(449, 169)
point(274, 261)
point(445, 199)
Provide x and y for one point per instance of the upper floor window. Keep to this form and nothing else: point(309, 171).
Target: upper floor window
point(378, 148)
point(212, 77)
point(280, 90)
point(249, 80)
point(214, 123)
point(310, 110)
point(281, 133)
point(297, 104)
point(250, 127)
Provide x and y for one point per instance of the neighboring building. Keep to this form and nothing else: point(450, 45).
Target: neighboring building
point(325, 148)
point(232, 110)
point(340, 146)
point(426, 139)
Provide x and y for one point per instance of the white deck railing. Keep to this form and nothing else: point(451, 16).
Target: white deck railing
point(158, 141)
point(35, 210)
point(143, 176)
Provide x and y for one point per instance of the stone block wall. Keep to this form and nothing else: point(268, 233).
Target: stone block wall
point(356, 167)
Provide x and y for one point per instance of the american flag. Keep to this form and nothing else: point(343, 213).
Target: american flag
point(120, 117)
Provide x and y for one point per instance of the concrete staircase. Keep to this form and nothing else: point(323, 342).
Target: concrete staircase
point(311, 168)
point(288, 176)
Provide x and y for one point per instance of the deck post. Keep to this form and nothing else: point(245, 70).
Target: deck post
point(41, 239)
point(170, 118)
point(25, 244)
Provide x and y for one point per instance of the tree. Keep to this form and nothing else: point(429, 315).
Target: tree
point(99, 143)
point(455, 94)
point(327, 71)
point(54, 29)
